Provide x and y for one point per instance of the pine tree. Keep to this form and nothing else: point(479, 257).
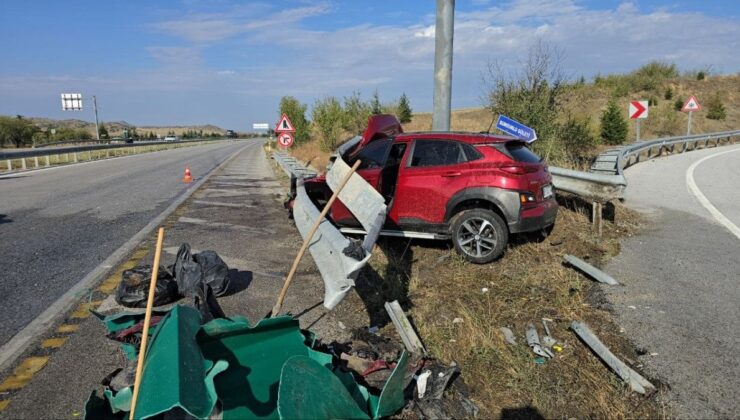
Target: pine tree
point(375, 105)
point(613, 124)
point(716, 109)
point(404, 109)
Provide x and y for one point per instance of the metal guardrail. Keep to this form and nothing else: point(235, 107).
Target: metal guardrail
point(72, 153)
point(596, 187)
point(338, 258)
point(615, 160)
point(605, 180)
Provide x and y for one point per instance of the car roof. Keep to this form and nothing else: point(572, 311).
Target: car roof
point(464, 136)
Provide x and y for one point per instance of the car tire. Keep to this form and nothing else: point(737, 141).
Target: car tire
point(479, 235)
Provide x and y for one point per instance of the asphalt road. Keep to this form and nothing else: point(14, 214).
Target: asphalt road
point(680, 300)
point(56, 225)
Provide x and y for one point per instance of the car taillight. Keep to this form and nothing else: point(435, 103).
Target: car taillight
point(519, 170)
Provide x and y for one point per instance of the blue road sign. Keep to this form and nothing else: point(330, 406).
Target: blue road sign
point(516, 129)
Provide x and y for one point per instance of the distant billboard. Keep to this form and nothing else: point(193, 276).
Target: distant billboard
point(71, 101)
point(260, 126)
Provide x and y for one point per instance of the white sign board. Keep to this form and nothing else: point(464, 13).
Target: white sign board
point(260, 126)
point(71, 101)
point(638, 110)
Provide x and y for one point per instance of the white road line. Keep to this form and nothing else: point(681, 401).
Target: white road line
point(694, 189)
point(221, 204)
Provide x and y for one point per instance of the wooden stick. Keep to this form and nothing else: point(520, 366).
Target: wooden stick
point(147, 321)
point(307, 240)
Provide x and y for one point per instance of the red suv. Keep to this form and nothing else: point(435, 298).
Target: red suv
point(475, 189)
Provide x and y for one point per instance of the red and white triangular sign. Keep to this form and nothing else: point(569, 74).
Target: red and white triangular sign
point(691, 105)
point(284, 125)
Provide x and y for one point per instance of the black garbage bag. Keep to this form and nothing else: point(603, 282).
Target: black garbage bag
point(134, 286)
point(215, 271)
point(204, 267)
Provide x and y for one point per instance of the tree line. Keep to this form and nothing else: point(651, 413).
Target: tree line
point(332, 118)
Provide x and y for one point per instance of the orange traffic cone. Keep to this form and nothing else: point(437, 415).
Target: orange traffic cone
point(187, 177)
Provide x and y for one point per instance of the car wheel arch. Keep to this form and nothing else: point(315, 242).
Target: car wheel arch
point(503, 202)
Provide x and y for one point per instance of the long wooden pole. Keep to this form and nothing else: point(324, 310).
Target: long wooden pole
point(307, 240)
point(147, 321)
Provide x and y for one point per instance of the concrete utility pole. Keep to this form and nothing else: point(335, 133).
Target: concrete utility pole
point(444, 31)
point(97, 130)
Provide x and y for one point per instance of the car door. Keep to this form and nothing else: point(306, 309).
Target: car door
point(433, 171)
point(372, 158)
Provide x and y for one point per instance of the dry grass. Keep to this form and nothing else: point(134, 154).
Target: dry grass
point(529, 283)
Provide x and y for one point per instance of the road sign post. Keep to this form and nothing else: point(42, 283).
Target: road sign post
point(516, 129)
point(284, 130)
point(637, 111)
point(691, 105)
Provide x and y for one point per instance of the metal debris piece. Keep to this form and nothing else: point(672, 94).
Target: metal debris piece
point(634, 379)
point(534, 342)
point(508, 335)
point(548, 340)
point(421, 383)
point(589, 269)
point(405, 330)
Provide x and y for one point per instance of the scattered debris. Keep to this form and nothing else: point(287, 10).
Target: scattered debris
point(457, 321)
point(191, 270)
point(373, 330)
point(590, 270)
point(534, 342)
point(288, 378)
point(484, 290)
point(548, 339)
point(405, 329)
point(634, 379)
point(508, 335)
point(421, 383)
point(341, 325)
point(133, 289)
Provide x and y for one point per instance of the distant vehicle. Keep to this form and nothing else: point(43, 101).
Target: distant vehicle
point(171, 138)
point(231, 134)
point(475, 189)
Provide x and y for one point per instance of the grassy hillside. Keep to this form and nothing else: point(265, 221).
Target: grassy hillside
point(588, 101)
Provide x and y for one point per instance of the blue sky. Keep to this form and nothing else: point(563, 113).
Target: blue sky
point(228, 62)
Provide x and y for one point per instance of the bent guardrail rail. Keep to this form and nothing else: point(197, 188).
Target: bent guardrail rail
point(73, 152)
point(615, 160)
point(597, 187)
point(338, 258)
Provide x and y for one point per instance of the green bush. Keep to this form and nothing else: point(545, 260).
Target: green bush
point(613, 125)
point(296, 111)
point(678, 104)
point(375, 106)
point(577, 140)
point(715, 108)
point(668, 95)
point(356, 113)
point(328, 116)
point(701, 75)
point(652, 101)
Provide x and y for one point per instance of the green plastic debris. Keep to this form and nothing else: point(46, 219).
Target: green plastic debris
point(300, 397)
point(262, 371)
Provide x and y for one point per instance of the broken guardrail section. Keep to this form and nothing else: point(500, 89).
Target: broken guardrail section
point(628, 375)
point(338, 258)
point(589, 269)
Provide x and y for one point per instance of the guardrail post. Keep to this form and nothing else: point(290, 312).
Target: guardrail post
point(47, 161)
point(35, 161)
point(596, 217)
point(23, 163)
point(9, 163)
point(76, 157)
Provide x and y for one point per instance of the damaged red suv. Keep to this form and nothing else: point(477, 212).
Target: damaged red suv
point(475, 189)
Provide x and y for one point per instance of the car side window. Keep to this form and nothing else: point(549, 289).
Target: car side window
point(373, 155)
point(470, 152)
point(436, 153)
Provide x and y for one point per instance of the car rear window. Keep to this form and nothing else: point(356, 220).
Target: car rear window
point(521, 153)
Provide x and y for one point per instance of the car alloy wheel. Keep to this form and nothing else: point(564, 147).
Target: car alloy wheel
point(479, 235)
